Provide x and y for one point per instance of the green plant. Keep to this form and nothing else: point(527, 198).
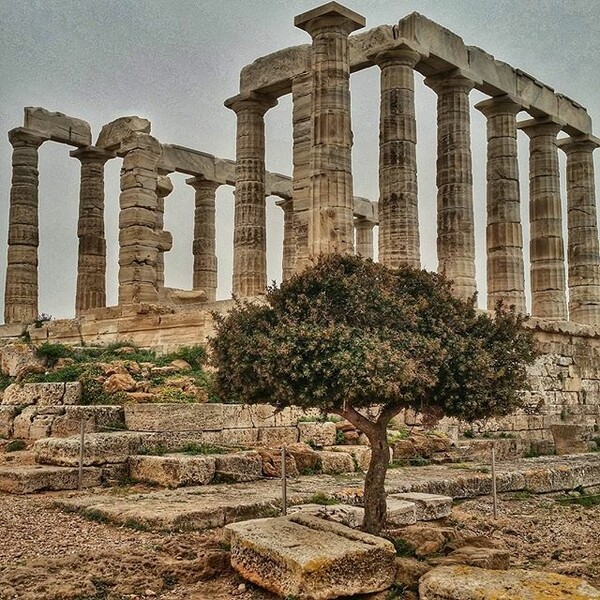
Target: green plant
point(340, 438)
point(585, 500)
point(469, 433)
point(5, 381)
point(419, 461)
point(396, 435)
point(52, 352)
point(195, 356)
point(402, 547)
point(348, 333)
point(322, 498)
point(153, 450)
point(15, 446)
point(524, 495)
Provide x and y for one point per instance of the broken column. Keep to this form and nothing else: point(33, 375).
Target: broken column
point(204, 244)
point(289, 238)
point(164, 186)
point(249, 230)
point(330, 224)
point(138, 236)
point(21, 287)
point(582, 242)
point(504, 236)
point(91, 257)
point(548, 298)
point(455, 221)
point(364, 237)
point(398, 202)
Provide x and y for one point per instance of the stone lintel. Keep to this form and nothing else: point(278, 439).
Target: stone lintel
point(451, 78)
point(500, 104)
point(251, 100)
point(25, 136)
point(91, 153)
point(405, 51)
point(588, 140)
point(58, 127)
point(306, 20)
point(533, 126)
point(202, 182)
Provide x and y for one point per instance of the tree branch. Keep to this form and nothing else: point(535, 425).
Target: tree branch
point(359, 421)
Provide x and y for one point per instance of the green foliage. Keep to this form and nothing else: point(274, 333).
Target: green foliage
point(352, 332)
point(403, 548)
point(585, 500)
point(194, 355)
point(52, 352)
point(469, 433)
point(153, 451)
point(396, 435)
point(323, 499)
point(15, 446)
point(5, 381)
point(339, 437)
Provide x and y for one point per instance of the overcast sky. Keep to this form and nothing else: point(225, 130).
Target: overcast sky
point(175, 61)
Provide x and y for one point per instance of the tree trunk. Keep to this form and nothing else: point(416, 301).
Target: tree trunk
point(374, 499)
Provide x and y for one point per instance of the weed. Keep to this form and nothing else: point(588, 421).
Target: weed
point(339, 437)
point(322, 498)
point(41, 319)
point(520, 496)
point(402, 547)
point(95, 515)
point(419, 461)
point(153, 451)
point(15, 446)
point(537, 453)
point(469, 433)
point(133, 524)
point(397, 435)
point(5, 381)
point(195, 356)
point(587, 501)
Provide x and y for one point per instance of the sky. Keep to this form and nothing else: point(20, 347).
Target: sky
point(176, 61)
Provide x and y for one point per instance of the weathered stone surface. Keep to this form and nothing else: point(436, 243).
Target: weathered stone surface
point(486, 558)
point(245, 466)
point(112, 134)
point(400, 512)
point(172, 470)
point(95, 417)
point(429, 507)
point(306, 557)
point(426, 540)
point(569, 439)
point(271, 463)
point(174, 417)
point(317, 434)
point(307, 460)
point(119, 382)
point(37, 478)
point(99, 449)
point(472, 583)
point(42, 394)
point(18, 355)
point(336, 463)
point(272, 436)
point(346, 514)
point(58, 126)
point(7, 417)
point(409, 571)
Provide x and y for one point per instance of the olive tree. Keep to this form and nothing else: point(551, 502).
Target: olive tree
point(347, 334)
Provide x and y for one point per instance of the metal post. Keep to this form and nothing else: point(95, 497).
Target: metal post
point(81, 445)
point(494, 494)
point(283, 483)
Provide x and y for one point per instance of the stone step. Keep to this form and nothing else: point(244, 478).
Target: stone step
point(27, 479)
point(429, 507)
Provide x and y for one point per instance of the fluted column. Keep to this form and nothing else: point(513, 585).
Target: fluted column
point(364, 237)
point(455, 221)
point(398, 202)
point(289, 238)
point(302, 135)
point(91, 257)
point(504, 235)
point(138, 235)
point(330, 225)
point(548, 297)
point(21, 287)
point(204, 245)
point(164, 186)
point(249, 230)
point(582, 242)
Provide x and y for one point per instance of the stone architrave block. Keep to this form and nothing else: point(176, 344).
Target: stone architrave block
point(99, 449)
point(174, 417)
point(305, 557)
point(274, 436)
point(238, 467)
point(42, 394)
point(345, 514)
point(18, 355)
point(429, 507)
point(400, 512)
point(172, 471)
point(58, 126)
point(317, 434)
point(112, 134)
point(336, 463)
point(461, 582)
point(7, 418)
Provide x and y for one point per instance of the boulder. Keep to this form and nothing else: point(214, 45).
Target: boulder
point(119, 382)
point(351, 516)
point(426, 540)
point(307, 460)
point(308, 558)
point(17, 356)
point(271, 463)
point(472, 583)
point(271, 436)
point(180, 365)
point(408, 572)
point(400, 512)
point(7, 417)
point(336, 463)
point(569, 439)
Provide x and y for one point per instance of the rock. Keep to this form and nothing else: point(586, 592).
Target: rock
point(472, 583)
point(58, 126)
point(403, 449)
point(119, 382)
point(569, 439)
point(425, 540)
point(172, 471)
point(400, 512)
point(7, 417)
point(180, 365)
point(271, 463)
point(304, 557)
point(95, 417)
point(486, 558)
point(61, 363)
point(344, 426)
point(271, 436)
point(114, 368)
point(409, 571)
point(174, 417)
point(168, 370)
point(351, 516)
point(429, 506)
point(336, 463)
point(245, 466)
point(317, 433)
point(17, 355)
point(112, 135)
point(29, 370)
point(351, 437)
point(42, 394)
point(307, 460)
point(140, 397)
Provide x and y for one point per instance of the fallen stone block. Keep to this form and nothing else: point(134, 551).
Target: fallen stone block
point(112, 134)
point(346, 514)
point(42, 394)
point(37, 478)
point(172, 471)
point(336, 463)
point(472, 583)
point(237, 467)
point(400, 512)
point(271, 463)
point(317, 434)
point(309, 558)
point(486, 558)
point(17, 356)
point(429, 507)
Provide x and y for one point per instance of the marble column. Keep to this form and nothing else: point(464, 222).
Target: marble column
point(164, 186)
point(547, 260)
point(302, 136)
point(330, 224)
point(91, 257)
point(504, 235)
point(204, 245)
point(138, 235)
point(364, 237)
point(398, 203)
point(21, 287)
point(582, 242)
point(455, 221)
point(289, 238)
point(249, 230)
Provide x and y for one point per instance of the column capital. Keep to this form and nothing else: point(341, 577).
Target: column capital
point(500, 105)
point(164, 186)
point(541, 126)
point(199, 183)
point(251, 101)
point(455, 79)
point(578, 143)
point(21, 136)
point(364, 222)
point(92, 154)
point(332, 17)
point(406, 54)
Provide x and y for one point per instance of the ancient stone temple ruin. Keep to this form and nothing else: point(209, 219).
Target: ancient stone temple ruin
point(322, 215)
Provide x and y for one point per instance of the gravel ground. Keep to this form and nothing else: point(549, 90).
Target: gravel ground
point(46, 554)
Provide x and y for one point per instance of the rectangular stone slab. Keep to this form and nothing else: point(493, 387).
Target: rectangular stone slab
point(429, 507)
point(401, 512)
point(305, 557)
point(58, 126)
